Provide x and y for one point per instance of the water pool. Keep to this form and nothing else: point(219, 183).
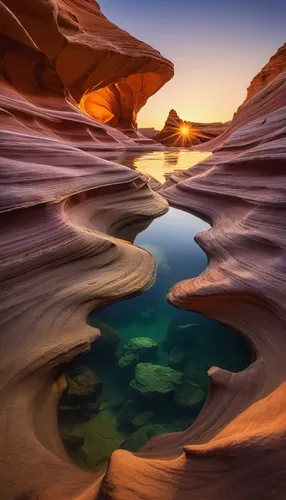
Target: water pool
point(158, 164)
point(147, 374)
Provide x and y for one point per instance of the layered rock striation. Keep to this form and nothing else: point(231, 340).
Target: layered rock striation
point(236, 446)
point(149, 131)
point(61, 208)
point(241, 431)
point(74, 48)
point(264, 95)
point(275, 66)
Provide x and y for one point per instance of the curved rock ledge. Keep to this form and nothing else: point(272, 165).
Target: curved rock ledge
point(241, 191)
point(66, 47)
point(60, 210)
point(59, 260)
point(109, 72)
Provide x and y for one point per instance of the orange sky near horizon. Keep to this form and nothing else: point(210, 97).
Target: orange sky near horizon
point(217, 47)
point(205, 91)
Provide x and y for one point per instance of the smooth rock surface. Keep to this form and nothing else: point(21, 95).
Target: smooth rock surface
point(137, 349)
point(154, 381)
point(58, 223)
point(60, 208)
point(275, 65)
point(188, 395)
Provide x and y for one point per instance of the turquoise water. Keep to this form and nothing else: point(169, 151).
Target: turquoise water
point(148, 373)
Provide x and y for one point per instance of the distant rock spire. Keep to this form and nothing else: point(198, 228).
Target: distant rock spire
point(172, 135)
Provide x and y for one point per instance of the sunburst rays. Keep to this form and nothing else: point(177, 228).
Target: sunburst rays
point(184, 133)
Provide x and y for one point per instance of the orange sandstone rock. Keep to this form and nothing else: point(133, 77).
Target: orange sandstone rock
point(275, 66)
point(264, 96)
point(60, 206)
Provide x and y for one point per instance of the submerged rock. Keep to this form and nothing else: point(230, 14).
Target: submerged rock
point(137, 349)
point(101, 438)
point(127, 413)
point(141, 344)
point(72, 441)
point(155, 380)
point(83, 391)
point(129, 359)
point(189, 396)
point(68, 413)
point(84, 384)
point(91, 409)
point(142, 435)
point(143, 418)
point(178, 358)
point(116, 402)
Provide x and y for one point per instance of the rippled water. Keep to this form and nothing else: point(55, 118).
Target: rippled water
point(158, 163)
point(148, 373)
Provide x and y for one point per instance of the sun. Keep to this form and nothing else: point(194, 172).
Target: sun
point(183, 133)
point(184, 130)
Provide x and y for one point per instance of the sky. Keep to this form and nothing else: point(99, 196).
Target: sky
point(217, 47)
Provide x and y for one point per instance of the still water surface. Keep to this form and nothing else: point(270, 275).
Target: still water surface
point(148, 373)
point(158, 164)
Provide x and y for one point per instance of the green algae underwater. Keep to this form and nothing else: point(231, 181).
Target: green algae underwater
point(147, 373)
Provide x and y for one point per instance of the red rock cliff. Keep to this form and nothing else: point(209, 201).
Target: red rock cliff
point(59, 206)
point(109, 72)
point(266, 93)
point(273, 68)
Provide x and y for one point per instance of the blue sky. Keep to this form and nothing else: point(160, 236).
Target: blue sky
point(217, 47)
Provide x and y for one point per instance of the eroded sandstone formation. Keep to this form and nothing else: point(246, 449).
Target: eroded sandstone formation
point(61, 208)
point(110, 73)
point(182, 133)
point(54, 244)
point(265, 94)
point(149, 131)
point(269, 72)
point(236, 447)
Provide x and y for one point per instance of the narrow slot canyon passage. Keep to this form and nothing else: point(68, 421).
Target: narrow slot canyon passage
point(147, 373)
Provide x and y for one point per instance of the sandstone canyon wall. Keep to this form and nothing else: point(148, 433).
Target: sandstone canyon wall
point(265, 94)
point(236, 448)
point(149, 131)
point(173, 134)
point(75, 47)
point(275, 66)
point(61, 208)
